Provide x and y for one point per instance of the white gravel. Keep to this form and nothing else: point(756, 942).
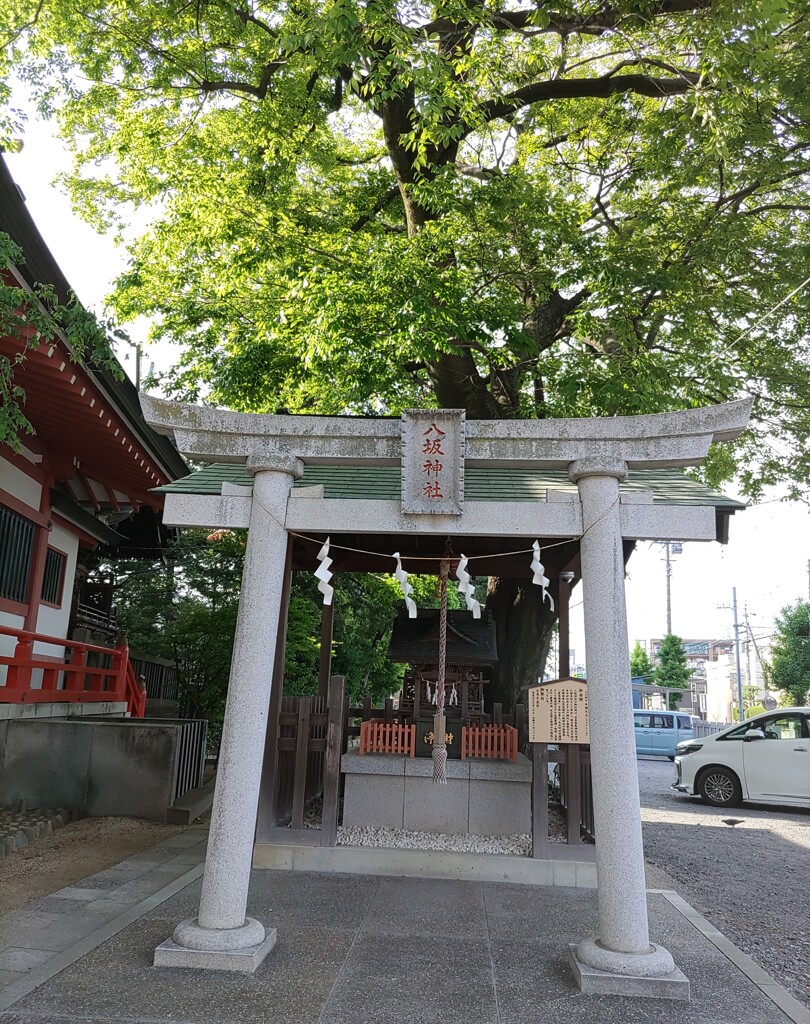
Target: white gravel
point(401, 839)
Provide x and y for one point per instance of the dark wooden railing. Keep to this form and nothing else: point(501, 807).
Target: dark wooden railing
point(307, 751)
point(576, 794)
point(159, 675)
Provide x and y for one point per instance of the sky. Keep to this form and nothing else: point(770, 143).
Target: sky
point(766, 558)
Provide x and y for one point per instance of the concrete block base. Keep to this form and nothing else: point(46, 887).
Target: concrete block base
point(600, 983)
point(468, 867)
point(245, 961)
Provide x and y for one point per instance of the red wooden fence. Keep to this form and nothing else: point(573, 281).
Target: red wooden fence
point(497, 741)
point(71, 679)
point(381, 737)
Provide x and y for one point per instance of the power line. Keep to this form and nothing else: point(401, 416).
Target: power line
point(757, 323)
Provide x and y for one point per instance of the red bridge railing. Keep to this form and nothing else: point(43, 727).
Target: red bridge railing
point(86, 673)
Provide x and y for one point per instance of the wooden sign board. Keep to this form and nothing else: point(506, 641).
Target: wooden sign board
point(424, 739)
point(433, 442)
point(558, 712)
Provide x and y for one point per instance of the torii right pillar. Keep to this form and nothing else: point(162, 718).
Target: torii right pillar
point(621, 960)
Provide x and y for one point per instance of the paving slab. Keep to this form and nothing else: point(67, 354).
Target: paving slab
point(351, 947)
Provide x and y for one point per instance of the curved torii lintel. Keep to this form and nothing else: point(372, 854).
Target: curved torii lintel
point(665, 439)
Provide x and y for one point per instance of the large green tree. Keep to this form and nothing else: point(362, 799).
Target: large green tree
point(518, 208)
point(672, 669)
point(640, 664)
point(790, 654)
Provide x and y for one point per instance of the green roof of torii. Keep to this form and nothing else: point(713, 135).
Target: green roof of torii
point(381, 483)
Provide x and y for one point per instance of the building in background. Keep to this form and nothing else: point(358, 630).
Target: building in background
point(84, 479)
point(700, 655)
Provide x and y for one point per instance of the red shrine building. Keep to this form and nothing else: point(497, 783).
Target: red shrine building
point(84, 479)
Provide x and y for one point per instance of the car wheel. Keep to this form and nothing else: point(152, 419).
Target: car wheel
point(720, 787)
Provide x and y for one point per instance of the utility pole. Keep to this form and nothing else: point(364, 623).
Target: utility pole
point(669, 591)
point(737, 650)
point(757, 651)
point(670, 548)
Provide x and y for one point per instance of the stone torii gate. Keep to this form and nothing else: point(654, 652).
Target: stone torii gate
point(597, 455)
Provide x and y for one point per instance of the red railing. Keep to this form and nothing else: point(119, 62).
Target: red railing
point(379, 737)
point(497, 741)
point(72, 679)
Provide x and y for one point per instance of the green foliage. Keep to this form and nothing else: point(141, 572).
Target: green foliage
point(31, 319)
point(365, 608)
point(755, 709)
point(364, 615)
point(672, 669)
point(518, 210)
point(640, 664)
point(184, 608)
point(790, 655)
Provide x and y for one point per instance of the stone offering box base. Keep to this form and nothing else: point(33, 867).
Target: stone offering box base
point(490, 798)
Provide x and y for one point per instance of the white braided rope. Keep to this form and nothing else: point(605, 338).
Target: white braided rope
point(439, 738)
point(439, 763)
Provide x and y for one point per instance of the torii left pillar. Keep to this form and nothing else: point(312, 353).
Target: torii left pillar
point(222, 937)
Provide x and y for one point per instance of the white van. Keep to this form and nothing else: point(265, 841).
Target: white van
point(659, 732)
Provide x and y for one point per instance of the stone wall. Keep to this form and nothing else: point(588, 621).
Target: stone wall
point(93, 767)
point(491, 798)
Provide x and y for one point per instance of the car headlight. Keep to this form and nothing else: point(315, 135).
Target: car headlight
point(687, 747)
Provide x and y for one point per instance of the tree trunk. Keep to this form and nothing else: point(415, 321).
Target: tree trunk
point(523, 627)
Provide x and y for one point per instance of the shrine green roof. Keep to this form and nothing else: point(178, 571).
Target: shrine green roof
point(669, 486)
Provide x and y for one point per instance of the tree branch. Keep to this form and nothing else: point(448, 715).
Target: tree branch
point(31, 23)
point(542, 21)
point(582, 88)
point(259, 91)
point(378, 207)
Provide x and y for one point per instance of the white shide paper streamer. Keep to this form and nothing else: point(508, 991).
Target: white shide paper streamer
point(402, 579)
point(539, 577)
point(466, 587)
point(323, 574)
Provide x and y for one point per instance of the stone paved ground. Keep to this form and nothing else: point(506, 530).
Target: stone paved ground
point(352, 948)
point(383, 950)
point(750, 880)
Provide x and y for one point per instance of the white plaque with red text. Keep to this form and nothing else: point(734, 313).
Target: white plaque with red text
point(433, 461)
point(558, 712)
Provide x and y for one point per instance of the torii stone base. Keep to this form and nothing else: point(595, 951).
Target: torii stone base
point(593, 982)
point(244, 960)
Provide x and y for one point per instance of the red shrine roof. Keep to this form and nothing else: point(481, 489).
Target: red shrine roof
point(91, 439)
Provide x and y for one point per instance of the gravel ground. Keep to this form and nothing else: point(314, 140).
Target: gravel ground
point(749, 879)
point(79, 849)
point(402, 839)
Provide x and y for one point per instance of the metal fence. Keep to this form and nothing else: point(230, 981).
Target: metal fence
point(709, 728)
point(159, 674)
point(190, 762)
